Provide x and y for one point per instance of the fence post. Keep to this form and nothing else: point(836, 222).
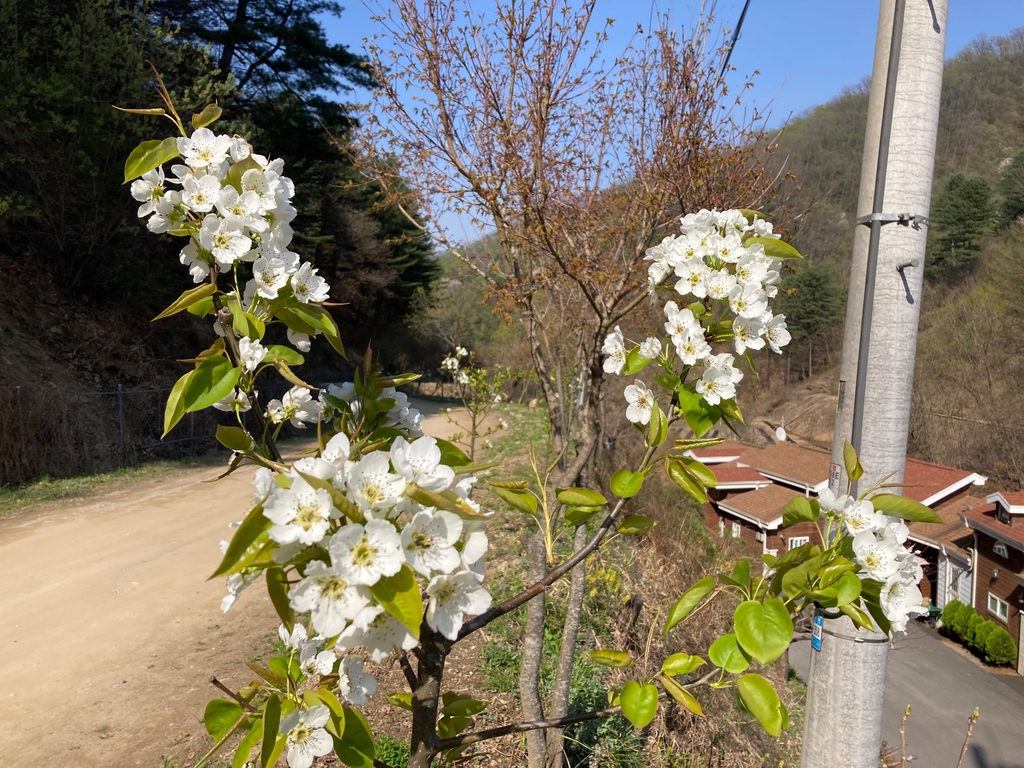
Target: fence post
point(17, 398)
point(120, 412)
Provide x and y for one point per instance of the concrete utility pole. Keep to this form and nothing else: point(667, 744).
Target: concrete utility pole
point(847, 679)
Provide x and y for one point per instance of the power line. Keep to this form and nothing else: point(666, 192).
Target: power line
point(735, 37)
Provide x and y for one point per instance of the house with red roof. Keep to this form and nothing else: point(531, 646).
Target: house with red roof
point(998, 549)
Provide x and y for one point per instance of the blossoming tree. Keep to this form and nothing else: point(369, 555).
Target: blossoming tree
point(373, 546)
point(479, 390)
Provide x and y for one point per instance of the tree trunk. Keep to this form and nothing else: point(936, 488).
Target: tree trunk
point(533, 653)
point(431, 654)
point(559, 704)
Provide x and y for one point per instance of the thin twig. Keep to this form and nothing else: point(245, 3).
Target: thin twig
point(410, 675)
point(232, 694)
point(903, 737)
point(967, 740)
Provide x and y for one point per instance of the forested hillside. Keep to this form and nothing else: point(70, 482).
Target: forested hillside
point(968, 396)
point(72, 248)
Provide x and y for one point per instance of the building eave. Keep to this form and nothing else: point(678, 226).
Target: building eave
point(972, 479)
point(773, 525)
point(993, 532)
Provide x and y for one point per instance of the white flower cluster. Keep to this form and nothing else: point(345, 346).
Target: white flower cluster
point(714, 264)
point(243, 201)
point(346, 559)
point(451, 364)
point(879, 546)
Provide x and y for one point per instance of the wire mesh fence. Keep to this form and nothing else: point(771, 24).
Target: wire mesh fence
point(59, 434)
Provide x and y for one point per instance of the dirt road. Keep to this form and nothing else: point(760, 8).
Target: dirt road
point(109, 631)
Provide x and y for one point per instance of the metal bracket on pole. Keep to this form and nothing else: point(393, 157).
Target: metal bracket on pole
point(906, 219)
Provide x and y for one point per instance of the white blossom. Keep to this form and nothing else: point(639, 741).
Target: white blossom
point(307, 737)
point(263, 485)
point(451, 598)
point(900, 598)
point(236, 399)
point(371, 484)
point(297, 406)
point(203, 148)
point(198, 267)
point(650, 348)
point(615, 349)
point(692, 347)
point(243, 208)
point(201, 192)
point(641, 402)
point(428, 541)
point(151, 192)
point(354, 684)
point(860, 516)
point(693, 278)
point(747, 334)
point(226, 240)
point(236, 583)
point(419, 462)
point(720, 284)
point(748, 301)
point(378, 632)
point(313, 661)
point(775, 332)
point(716, 385)
point(250, 353)
point(680, 322)
point(329, 597)
point(300, 341)
point(365, 553)
point(300, 513)
point(876, 554)
point(296, 639)
point(308, 286)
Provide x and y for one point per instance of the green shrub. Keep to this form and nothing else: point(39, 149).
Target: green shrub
point(949, 613)
point(981, 636)
point(961, 620)
point(973, 623)
point(1000, 648)
point(391, 752)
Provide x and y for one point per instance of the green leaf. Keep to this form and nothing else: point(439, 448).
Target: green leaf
point(524, 501)
point(220, 717)
point(202, 308)
point(729, 408)
point(904, 508)
point(635, 525)
point(245, 746)
point(681, 664)
point(797, 579)
point(210, 113)
point(213, 380)
point(857, 616)
point(463, 706)
point(634, 362)
point(149, 155)
point(639, 703)
point(580, 497)
point(657, 430)
point(800, 510)
point(626, 484)
point(727, 654)
point(400, 596)
point(580, 515)
point(397, 381)
point(765, 631)
point(447, 500)
point(773, 248)
point(700, 471)
point(355, 748)
point(698, 414)
point(689, 483)
point(245, 323)
point(668, 381)
point(696, 443)
point(175, 407)
point(289, 375)
point(610, 658)
point(854, 470)
point(452, 455)
point(847, 589)
point(269, 675)
point(277, 588)
point(271, 725)
point(401, 700)
point(750, 215)
point(761, 700)
point(681, 695)
point(252, 526)
point(187, 299)
point(284, 354)
point(237, 170)
point(448, 727)
point(234, 438)
point(691, 599)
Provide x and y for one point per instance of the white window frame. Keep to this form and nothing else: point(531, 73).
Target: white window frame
point(1000, 549)
point(998, 607)
point(798, 541)
point(721, 527)
point(737, 530)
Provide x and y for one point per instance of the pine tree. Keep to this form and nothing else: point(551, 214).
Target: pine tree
point(962, 213)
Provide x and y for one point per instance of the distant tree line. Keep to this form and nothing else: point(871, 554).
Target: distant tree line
point(63, 209)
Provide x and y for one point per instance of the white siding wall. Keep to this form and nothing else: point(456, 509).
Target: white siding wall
point(941, 580)
point(953, 581)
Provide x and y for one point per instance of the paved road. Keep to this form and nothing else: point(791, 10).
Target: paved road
point(943, 688)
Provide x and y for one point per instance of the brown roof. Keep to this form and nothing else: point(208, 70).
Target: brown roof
point(984, 518)
point(734, 473)
point(792, 462)
point(925, 479)
point(1013, 498)
point(764, 504)
point(952, 528)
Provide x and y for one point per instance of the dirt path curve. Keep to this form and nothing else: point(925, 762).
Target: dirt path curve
point(109, 631)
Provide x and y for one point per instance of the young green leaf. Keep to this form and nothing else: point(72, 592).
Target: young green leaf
point(698, 414)
point(904, 508)
point(355, 748)
point(799, 510)
point(284, 354)
point(657, 430)
point(635, 362)
point(175, 407)
point(681, 664)
point(524, 501)
point(252, 526)
point(610, 658)
point(220, 717)
point(277, 588)
point(400, 700)
point(854, 470)
point(210, 113)
point(580, 497)
point(580, 515)
point(463, 706)
point(271, 725)
point(775, 249)
point(400, 596)
point(682, 477)
point(635, 525)
point(187, 299)
point(764, 631)
point(149, 155)
point(213, 380)
point(234, 438)
point(626, 484)
point(761, 700)
point(691, 599)
point(681, 695)
point(639, 703)
point(244, 751)
point(452, 455)
point(727, 654)
point(700, 471)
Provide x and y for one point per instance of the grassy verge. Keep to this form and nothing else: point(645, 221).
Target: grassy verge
point(14, 499)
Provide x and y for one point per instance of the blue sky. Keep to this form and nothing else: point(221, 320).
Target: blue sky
point(806, 51)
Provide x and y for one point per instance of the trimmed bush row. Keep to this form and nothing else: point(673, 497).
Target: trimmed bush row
point(986, 638)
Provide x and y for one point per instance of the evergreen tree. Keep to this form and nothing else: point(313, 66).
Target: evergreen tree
point(813, 302)
point(1011, 189)
point(961, 214)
